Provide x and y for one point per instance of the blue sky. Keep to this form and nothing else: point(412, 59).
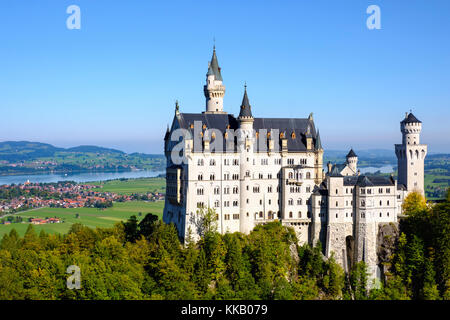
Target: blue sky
point(114, 82)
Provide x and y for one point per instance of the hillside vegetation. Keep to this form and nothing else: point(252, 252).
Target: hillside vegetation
point(33, 157)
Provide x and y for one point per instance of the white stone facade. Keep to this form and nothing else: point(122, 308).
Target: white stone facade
point(284, 182)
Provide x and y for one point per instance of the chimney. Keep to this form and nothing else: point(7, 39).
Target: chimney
point(329, 165)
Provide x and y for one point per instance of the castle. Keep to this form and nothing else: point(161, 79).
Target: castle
point(256, 170)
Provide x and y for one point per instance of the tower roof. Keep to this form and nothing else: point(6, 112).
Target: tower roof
point(246, 109)
point(410, 118)
point(318, 144)
point(335, 172)
point(214, 66)
point(351, 154)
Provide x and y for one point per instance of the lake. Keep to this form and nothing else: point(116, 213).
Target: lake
point(383, 169)
point(78, 177)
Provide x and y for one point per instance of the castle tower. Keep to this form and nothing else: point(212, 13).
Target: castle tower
point(352, 160)
point(339, 226)
point(411, 154)
point(245, 145)
point(214, 90)
point(318, 167)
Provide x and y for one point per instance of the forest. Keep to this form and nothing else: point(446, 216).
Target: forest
point(146, 260)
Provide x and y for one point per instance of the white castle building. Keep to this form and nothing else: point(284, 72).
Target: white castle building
point(273, 170)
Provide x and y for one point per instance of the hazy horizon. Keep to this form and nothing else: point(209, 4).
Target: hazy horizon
point(132, 150)
point(114, 82)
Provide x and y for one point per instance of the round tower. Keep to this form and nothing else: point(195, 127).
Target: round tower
point(352, 160)
point(245, 149)
point(411, 154)
point(214, 90)
point(410, 128)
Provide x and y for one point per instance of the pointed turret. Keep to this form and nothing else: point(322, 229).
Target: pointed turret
point(318, 144)
point(214, 90)
point(246, 109)
point(352, 160)
point(214, 68)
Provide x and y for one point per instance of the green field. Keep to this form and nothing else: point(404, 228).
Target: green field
point(129, 186)
point(90, 217)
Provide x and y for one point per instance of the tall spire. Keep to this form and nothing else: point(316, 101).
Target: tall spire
point(214, 89)
point(318, 144)
point(214, 66)
point(246, 109)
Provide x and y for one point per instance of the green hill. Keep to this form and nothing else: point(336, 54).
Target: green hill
point(24, 157)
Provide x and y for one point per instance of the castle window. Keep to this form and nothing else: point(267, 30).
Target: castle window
point(200, 177)
point(212, 177)
point(388, 214)
point(299, 214)
point(381, 203)
point(247, 173)
point(336, 215)
point(235, 203)
point(216, 190)
point(336, 191)
point(247, 201)
point(363, 203)
point(308, 189)
point(200, 162)
point(200, 191)
point(299, 202)
point(388, 202)
point(346, 214)
point(388, 190)
point(381, 214)
point(336, 203)
point(290, 214)
point(236, 216)
point(308, 175)
point(260, 214)
point(270, 201)
point(290, 202)
point(216, 203)
point(212, 162)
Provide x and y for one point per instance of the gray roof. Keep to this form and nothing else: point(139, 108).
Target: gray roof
point(214, 67)
point(368, 181)
point(351, 153)
point(246, 109)
point(318, 144)
point(411, 119)
point(335, 172)
point(285, 125)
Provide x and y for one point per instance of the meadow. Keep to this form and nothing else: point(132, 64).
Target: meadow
point(90, 217)
point(129, 186)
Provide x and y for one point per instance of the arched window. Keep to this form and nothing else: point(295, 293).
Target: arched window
point(291, 175)
point(308, 175)
point(290, 202)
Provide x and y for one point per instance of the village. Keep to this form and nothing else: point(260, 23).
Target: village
point(28, 196)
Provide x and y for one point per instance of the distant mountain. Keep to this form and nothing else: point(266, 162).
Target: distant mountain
point(24, 150)
point(16, 151)
point(93, 149)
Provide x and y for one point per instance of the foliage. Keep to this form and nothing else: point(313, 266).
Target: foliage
point(146, 260)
